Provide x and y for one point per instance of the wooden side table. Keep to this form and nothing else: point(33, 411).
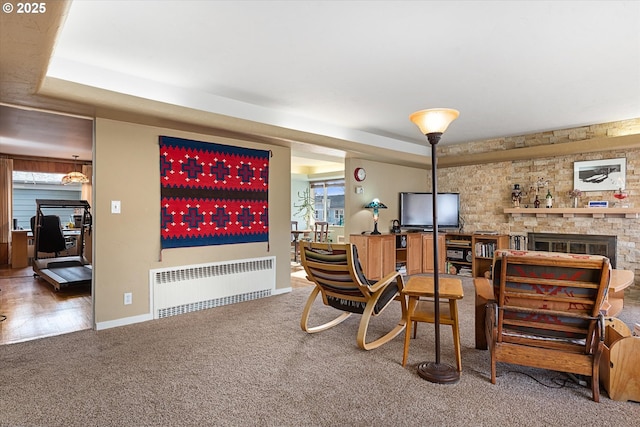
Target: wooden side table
point(423, 310)
point(620, 280)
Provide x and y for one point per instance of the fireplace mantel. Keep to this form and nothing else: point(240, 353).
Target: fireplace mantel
point(631, 213)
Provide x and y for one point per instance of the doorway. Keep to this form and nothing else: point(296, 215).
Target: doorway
point(30, 306)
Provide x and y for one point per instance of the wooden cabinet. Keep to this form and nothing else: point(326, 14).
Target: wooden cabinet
point(19, 249)
point(409, 253)
point(427, 253)
point(472, 254)
point(376, 253)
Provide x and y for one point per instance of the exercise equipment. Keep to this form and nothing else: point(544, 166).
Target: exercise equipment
point(60, 271)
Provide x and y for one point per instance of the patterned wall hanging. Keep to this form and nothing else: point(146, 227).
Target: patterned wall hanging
point(212, 194)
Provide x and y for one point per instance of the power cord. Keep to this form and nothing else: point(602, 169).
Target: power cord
point(570, 381)
point(559, 382)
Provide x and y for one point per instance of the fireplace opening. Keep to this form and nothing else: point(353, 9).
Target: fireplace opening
point(575, 244)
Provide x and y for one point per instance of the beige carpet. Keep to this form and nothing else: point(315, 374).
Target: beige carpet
point(250, 364)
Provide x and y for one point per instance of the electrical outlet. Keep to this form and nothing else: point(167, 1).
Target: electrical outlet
point(128, 298)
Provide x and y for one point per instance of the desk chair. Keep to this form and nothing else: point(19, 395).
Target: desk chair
point(49, 235)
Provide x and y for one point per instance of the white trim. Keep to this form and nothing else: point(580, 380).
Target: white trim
point(123, 321)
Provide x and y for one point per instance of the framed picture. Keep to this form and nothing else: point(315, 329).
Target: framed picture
point(600, 175)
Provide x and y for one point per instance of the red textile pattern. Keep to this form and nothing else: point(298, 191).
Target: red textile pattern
point(212, 194)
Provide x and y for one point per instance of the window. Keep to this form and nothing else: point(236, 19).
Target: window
point(29, 186)
point(328, 198)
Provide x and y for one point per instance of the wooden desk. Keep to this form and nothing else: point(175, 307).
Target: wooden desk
point(423, 311)
point(19, 249)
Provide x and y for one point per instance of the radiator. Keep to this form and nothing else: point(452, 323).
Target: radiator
point(179, 290)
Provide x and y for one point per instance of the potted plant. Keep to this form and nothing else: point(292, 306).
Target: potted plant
point(305, 207)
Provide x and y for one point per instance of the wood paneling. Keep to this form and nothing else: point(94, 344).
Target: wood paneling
point(34, 164)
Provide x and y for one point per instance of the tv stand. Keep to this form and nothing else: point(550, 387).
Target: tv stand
point(409, 252)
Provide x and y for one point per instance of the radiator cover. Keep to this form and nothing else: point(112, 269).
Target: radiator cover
point(183, 289)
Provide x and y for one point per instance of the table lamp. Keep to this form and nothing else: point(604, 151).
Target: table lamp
point(375, 204)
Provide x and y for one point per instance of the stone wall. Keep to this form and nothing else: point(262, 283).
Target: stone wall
point(486, 189)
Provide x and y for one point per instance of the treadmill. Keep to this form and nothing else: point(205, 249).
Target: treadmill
point(63, 271)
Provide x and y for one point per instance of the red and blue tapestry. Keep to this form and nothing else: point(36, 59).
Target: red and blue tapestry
point(212, 194)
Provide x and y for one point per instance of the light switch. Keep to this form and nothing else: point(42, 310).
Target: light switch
point(115, 206)
point(359, 189)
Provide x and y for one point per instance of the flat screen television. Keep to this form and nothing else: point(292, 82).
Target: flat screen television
point(416, 211)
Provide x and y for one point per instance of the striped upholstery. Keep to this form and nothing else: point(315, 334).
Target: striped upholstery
point(338, 277)
point(332, 272)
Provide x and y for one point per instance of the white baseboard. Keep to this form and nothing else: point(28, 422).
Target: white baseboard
point(124, 321)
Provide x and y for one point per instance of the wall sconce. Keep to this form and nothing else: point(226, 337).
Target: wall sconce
point(432, 124)
point(73, 176)
point(375, 204)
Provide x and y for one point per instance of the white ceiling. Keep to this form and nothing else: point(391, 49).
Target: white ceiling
point(355, 70)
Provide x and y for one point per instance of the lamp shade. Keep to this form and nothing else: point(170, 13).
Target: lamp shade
point(74, 177)
point(375, 204)
point(434, 120)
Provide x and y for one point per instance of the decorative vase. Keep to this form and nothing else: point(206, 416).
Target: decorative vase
point(575, 202)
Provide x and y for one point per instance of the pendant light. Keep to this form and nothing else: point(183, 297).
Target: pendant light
point(74, 177)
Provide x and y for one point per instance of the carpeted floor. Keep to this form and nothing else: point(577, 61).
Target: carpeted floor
point(250, 364)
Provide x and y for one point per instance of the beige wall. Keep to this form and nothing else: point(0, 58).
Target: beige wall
point(127, 245)
point(384, 181)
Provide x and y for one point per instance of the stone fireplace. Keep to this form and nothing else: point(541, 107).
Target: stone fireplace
point(574, 243)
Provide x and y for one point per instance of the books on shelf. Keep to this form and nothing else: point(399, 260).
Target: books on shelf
point(485, 249)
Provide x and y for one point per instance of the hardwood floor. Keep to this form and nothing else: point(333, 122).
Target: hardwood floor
point(33, 309)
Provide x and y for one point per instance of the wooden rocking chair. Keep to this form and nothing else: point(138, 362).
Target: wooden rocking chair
point(336, 272)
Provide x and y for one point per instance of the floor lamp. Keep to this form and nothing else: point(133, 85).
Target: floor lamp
point(432, 124)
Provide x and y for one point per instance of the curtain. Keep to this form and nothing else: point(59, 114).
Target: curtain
point(87, 189)
point(6, 197)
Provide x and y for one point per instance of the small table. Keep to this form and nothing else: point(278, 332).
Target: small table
point(296, 241)
point(423, 311)
point(618, 282)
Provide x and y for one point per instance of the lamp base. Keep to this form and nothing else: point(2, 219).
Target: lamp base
point(375, 228)
point(439, 373)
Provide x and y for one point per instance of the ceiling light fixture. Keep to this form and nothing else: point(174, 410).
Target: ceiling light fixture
point(74, 177)
point(432, 124)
